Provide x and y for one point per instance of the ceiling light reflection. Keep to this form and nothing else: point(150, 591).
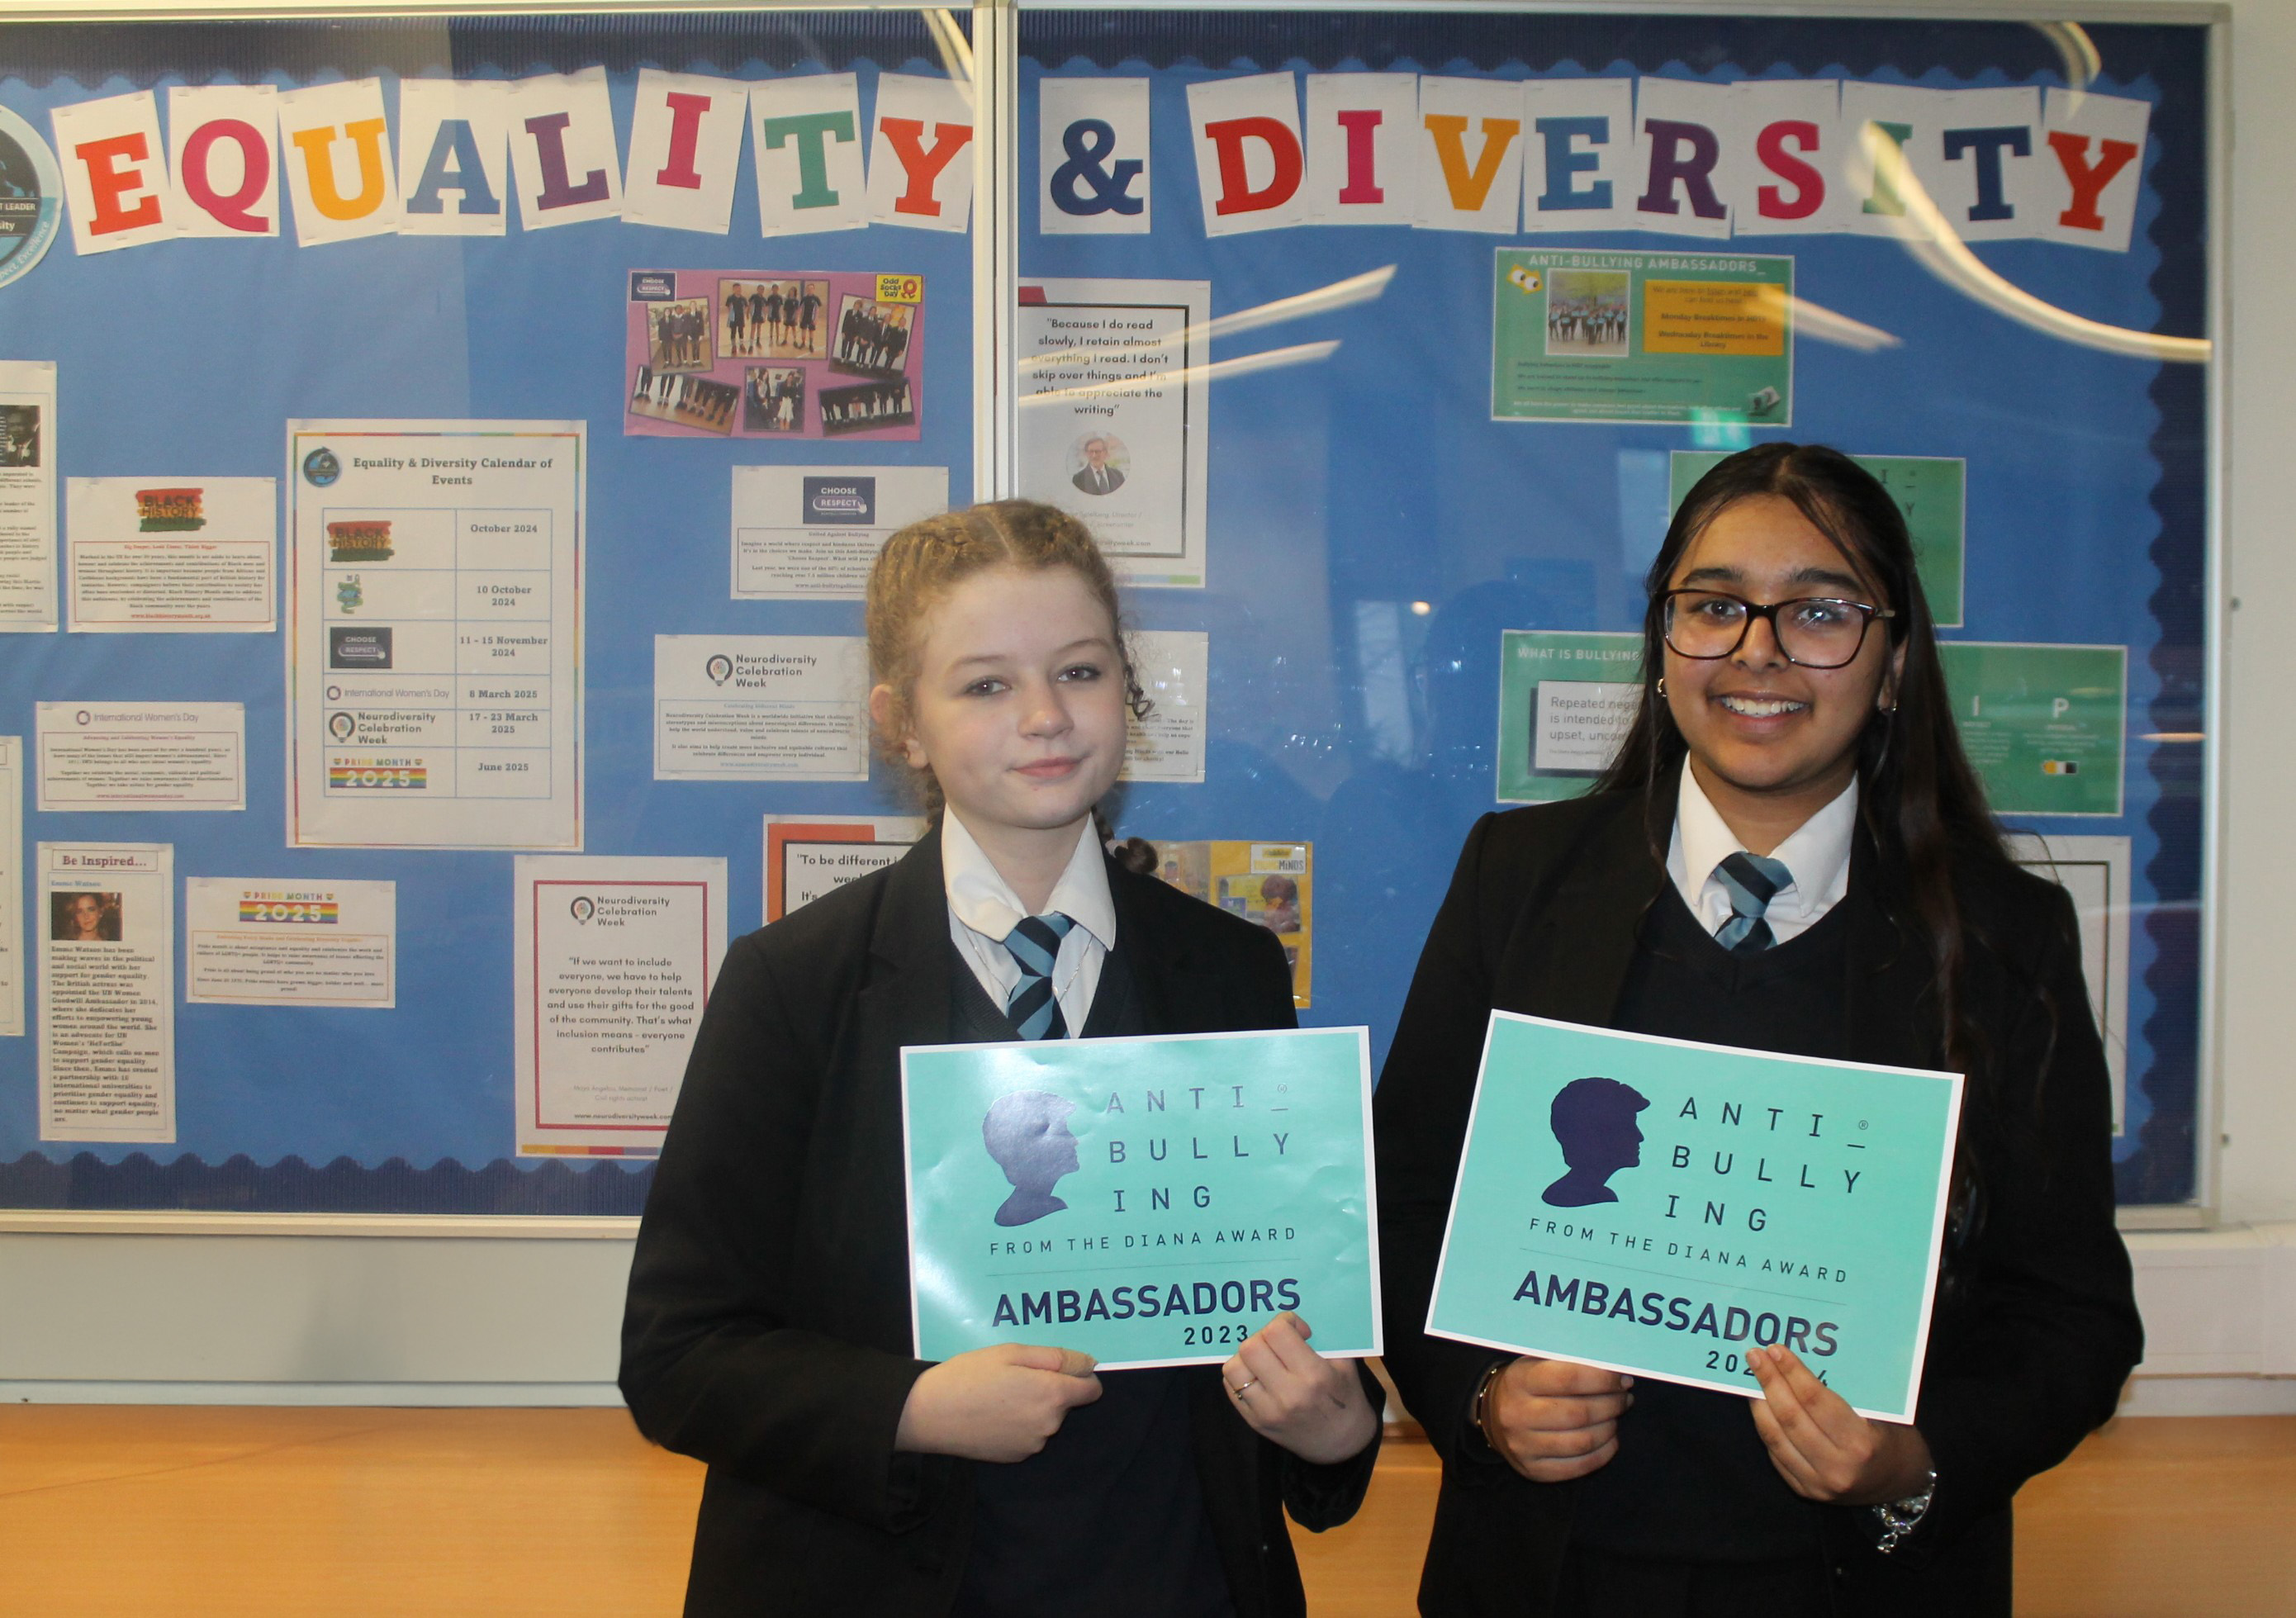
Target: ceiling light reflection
point(1944, 254)
point(1339, 295)
point(1243, 364)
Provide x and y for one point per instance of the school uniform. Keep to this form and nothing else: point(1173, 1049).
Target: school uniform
point(768, 1328)
point(1574, 911)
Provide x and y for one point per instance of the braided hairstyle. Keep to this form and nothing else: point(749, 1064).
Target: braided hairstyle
point(923, 562)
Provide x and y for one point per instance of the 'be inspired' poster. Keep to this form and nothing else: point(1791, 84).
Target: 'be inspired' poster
point(1147, 1201)
point(1658, 1207)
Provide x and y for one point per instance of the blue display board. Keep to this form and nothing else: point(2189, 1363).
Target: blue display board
point(1375, 531)
point(191, 356)
point(1374, 528)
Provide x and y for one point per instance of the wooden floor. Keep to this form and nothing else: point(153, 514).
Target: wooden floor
point(253, 1512)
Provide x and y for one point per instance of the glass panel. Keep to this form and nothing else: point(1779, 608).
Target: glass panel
point(650, 241)
point(1487, 293)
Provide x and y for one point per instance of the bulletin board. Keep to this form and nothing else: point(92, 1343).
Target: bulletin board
point(1401, 552)
point(181, 363)
point(1371, 538)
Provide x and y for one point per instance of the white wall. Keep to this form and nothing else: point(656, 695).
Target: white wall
point(464, 1320)
point(2258, 1162)
point(359, 1319)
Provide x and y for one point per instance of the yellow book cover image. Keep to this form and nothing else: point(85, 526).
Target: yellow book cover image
point(1271, 883)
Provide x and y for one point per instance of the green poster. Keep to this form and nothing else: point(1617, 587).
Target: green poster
point(1149, 1202)
point(2043, 726)
point(1928, 489)
point(1582, 336)
point(1657, 1206)
point(1566, 699)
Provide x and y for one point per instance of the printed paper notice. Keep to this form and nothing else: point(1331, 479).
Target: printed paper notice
point(810, 533)
point(807, 856)
point(290, 943)
point(143, 756)
point(171, 554)
point(11, 886)
point(1169, 745)
point(107, 987)
point(1112, 399)
point(2095, 871)
point(27, 495)
point(760, 708)
point(614, 960)
point(434, 672)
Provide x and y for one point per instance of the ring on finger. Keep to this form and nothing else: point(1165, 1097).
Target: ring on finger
point(1245, 1387)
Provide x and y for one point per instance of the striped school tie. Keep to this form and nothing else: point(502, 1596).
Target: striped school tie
point(1751, 881)
point(1035, 944)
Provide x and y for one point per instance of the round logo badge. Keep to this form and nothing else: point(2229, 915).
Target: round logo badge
point(320, 467)
point(31, 197)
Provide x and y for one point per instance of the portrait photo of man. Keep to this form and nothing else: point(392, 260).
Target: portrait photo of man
point(1097, 477)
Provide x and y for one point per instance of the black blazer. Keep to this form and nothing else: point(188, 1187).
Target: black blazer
point(767, 1330)
point(2034, 1328)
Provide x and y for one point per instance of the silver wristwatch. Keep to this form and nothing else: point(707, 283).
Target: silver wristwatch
point(1900, 1518)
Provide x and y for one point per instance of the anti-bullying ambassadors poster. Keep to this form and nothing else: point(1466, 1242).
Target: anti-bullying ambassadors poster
point(1659, 1206)
point(1150, 1201)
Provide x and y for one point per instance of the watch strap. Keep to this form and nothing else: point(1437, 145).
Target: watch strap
point(1896, 1519)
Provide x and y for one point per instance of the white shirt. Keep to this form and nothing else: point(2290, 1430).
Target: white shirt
point(983, 910)
point(1816, 857)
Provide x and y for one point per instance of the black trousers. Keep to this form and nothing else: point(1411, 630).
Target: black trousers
point(1601, 1584)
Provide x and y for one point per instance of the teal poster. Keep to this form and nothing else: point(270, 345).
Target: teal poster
point(1930, 491)
point(1657, 1206)
point(2045, 727)
point(1149, 1202)
point(1598, 336)
point(1566, 701)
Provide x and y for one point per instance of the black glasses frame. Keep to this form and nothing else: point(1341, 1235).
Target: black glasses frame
point(1754, 611)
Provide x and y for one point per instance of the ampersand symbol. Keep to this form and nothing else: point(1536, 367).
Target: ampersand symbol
point(1086, 142)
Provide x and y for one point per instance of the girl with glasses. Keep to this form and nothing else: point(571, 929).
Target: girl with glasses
point(1790, 852)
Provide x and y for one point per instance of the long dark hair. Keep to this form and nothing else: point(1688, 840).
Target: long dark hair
point(1918, 799)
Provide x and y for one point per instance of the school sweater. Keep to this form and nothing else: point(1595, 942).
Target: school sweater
point(1692, 1480)
point(1107, 1517)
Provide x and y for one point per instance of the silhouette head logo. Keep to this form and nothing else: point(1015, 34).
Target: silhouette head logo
point(1027, 1132)
point(1594, 1122)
